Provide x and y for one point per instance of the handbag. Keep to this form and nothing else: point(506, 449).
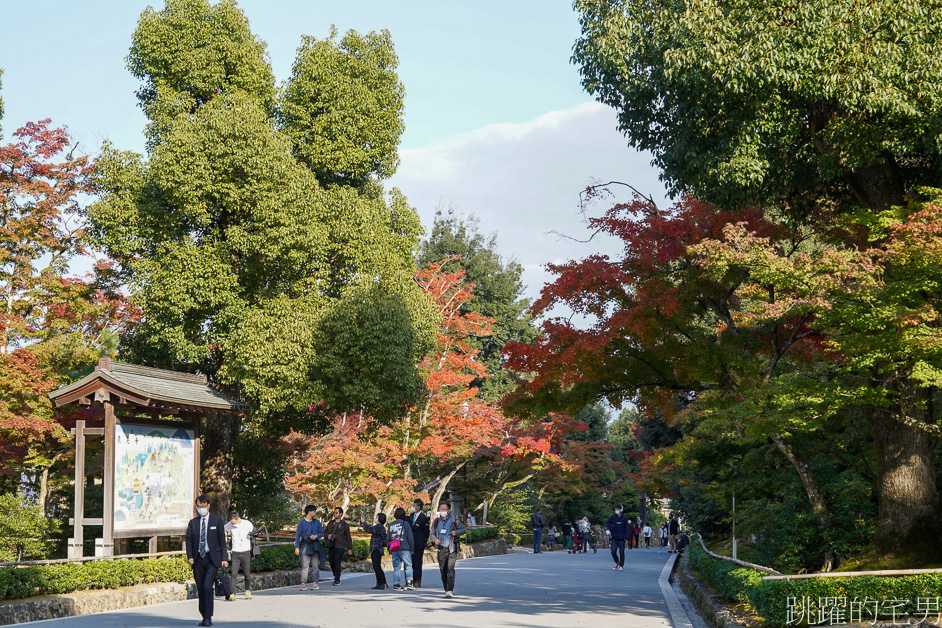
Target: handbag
point(223, 585)
point(394, 545)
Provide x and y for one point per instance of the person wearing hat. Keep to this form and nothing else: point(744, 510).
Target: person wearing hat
point(617, 526)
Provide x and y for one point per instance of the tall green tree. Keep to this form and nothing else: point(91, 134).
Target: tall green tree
point(498, 290)
point(814, 109)
point(232, 248)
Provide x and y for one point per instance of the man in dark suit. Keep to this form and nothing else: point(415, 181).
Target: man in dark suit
point(420, 531)
point(207, 551)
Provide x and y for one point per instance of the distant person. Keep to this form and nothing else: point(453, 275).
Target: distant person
point(673, 529)
point(586, 529)
point(631, 534)
point(240, 532)
point(471, 520)
point(401, 544)
point(617, 526)
point(419, 523)
point(567, 537)
point(377, 546)
point(551, 537)
point(206, 551)
point(307, 545)
point(646, 531)
point(682, 541)
point(638, 537)
point(447, 531)
point(663, 534)
point(338, 541)
point(537, 523)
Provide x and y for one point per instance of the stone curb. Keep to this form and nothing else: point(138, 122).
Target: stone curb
point(90, 602)
point(679, 617)
point(710, 606)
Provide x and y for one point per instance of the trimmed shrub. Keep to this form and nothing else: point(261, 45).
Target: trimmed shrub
point(877, 598)
point(480, 534)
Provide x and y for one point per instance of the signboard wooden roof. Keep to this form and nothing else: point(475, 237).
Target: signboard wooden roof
point(149, 389)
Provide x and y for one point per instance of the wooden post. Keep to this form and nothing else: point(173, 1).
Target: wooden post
point(106, 547)
point(152, 545)
point(77, 542)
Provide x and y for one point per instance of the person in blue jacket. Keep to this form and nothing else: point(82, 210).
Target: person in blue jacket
point(617, 526)
point(307, 545)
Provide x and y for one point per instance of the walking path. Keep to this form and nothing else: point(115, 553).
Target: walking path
point(553, 589)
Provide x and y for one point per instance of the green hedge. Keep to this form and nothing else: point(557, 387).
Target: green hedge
point(23, 582)
point(480, 534)
point(525, 540)
point(792, 602)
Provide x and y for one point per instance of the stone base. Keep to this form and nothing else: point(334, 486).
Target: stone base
point(89, 602)
point(710, 606)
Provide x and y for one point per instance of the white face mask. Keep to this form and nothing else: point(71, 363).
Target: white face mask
point(202, 512)
point(443, 514)
point(415, 509)
point(617, 512)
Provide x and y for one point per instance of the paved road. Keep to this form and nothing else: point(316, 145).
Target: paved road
point(549, 590)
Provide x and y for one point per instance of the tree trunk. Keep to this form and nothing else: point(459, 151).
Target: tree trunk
point(440, 491)
point(43, 490)
point(818, 505)
point(218, 442)
point(906, 489)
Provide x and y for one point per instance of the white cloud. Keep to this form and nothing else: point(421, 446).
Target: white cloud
point(523, 181)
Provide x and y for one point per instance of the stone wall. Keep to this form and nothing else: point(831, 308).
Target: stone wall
point(88, 602)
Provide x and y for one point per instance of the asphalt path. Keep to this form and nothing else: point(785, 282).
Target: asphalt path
point(552, 589)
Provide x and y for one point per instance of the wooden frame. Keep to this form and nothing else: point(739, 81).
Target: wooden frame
point(103, 389)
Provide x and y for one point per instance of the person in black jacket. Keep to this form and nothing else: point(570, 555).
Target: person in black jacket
point(617, 526)
point(206, 551)
point(420, 530)
point(339, 540)
point(673, 529)
point(537, 523)
point(377, 546)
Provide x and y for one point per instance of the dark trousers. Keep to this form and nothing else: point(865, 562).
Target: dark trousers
point(618, 551)
point(418, 555)
point(377, 558)
point(204, 573)
point(537, 539)
point(335, 555)
point(446, 564)
point(244, 560)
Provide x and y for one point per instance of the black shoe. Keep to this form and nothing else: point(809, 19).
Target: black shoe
point(418, 584)
point(381, 587)
point(336, 583)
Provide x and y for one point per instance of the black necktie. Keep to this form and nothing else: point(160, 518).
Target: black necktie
point(203, 537)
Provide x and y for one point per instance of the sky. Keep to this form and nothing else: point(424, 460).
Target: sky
point(497, 123)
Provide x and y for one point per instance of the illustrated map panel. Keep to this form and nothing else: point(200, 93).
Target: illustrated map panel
point(153, 477)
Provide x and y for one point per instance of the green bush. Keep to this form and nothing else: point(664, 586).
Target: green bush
point(522, 540)
point(771, 599)
point(361, 550)
point(480, 534)
point(275, 557)
point(26, 533)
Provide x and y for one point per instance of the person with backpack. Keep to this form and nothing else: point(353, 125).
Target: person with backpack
point(537, 523)
point(618, 527)
point(586, 529)
point(401, 543)
point(447, 531)
point(377, 545)
point(307, 546)
point(647, 535)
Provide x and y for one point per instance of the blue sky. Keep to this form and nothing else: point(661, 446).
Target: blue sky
point(497, 123)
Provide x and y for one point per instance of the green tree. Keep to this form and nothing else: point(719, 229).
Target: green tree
point(25, 531)
point(596, 417)
point(231, 247)
point(498, 291)
point(342, 107)
point(815, 110)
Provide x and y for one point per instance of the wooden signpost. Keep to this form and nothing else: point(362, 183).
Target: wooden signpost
point(143, 395)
